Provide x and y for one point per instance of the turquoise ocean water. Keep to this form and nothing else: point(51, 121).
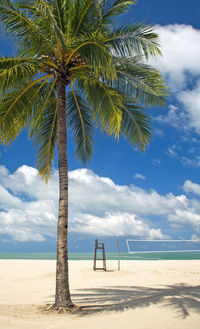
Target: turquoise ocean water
point(109, 256)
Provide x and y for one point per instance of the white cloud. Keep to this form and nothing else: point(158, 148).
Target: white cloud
point(26, 180)
point(139, 176)
point(186, 217)
point(8, 199)
point(91, 193)
point(191, 162)
point(172, 151)
point(116, 223)
point(175, 152)
point(180, 45)
point(191, 102)
point(174, 117)
point(28, 207)
point(190, 187)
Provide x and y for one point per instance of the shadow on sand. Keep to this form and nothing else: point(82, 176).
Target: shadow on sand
point(182, 298)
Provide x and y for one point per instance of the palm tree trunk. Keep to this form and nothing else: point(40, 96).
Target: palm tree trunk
point(62, 298)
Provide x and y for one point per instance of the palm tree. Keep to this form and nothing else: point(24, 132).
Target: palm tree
point(74, 70)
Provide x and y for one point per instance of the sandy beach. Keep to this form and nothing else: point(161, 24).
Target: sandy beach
point(143, 294)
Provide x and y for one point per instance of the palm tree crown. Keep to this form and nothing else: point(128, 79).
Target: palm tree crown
point(75, 70)
point(102, 66)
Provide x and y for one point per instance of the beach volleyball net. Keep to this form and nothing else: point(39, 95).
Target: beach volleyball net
point(162, 246)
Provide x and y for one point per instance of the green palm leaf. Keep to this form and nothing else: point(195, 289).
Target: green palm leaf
point(12, 122)
point(19, 25)
point(80, 123)
point(43, 127)
point(93, 50)
point(106, 103)
point(15, 71)
point(135, 39)
point(16, 110)
point(136, 126)
point(140, 80)
point(51, 20)
point(59, 13)
point(115, 8)
point(81, 15)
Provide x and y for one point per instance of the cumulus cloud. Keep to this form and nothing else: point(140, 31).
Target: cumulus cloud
point(190, 187)
point(179, 64)
point(105, 196)
point(28, 208)
point(116, 223)
point(180, 46)
point(98, 206)
point(26, 180)
point(186, 217)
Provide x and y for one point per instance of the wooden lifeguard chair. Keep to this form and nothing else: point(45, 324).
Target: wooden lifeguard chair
point(101, 257)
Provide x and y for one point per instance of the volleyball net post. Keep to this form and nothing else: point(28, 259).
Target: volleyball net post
point(118, 255)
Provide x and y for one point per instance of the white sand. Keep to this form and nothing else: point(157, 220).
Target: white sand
point(143, 295)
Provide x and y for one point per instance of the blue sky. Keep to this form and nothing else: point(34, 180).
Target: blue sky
point(121, 192)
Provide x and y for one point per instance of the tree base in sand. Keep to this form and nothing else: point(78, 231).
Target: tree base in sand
point(62, 309)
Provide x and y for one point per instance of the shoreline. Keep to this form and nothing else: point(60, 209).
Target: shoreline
point(176, 255)
point(156, 294)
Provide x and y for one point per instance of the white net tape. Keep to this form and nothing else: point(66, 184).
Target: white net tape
point(149, 246)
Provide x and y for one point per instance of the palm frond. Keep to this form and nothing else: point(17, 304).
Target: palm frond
point(18, 24)
point(43, 129)
point(15, 72)
point(79, 121)
point(136, 39)
point(60, 14)
point(85, 16)
point(143, 82)
point(136, 126)
point(51, 22)
point(95, 53)
point(15, 120)
point(106, 103)
point(46, 92)
point(82, 14)
point(115, 8)
point(16, 110)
